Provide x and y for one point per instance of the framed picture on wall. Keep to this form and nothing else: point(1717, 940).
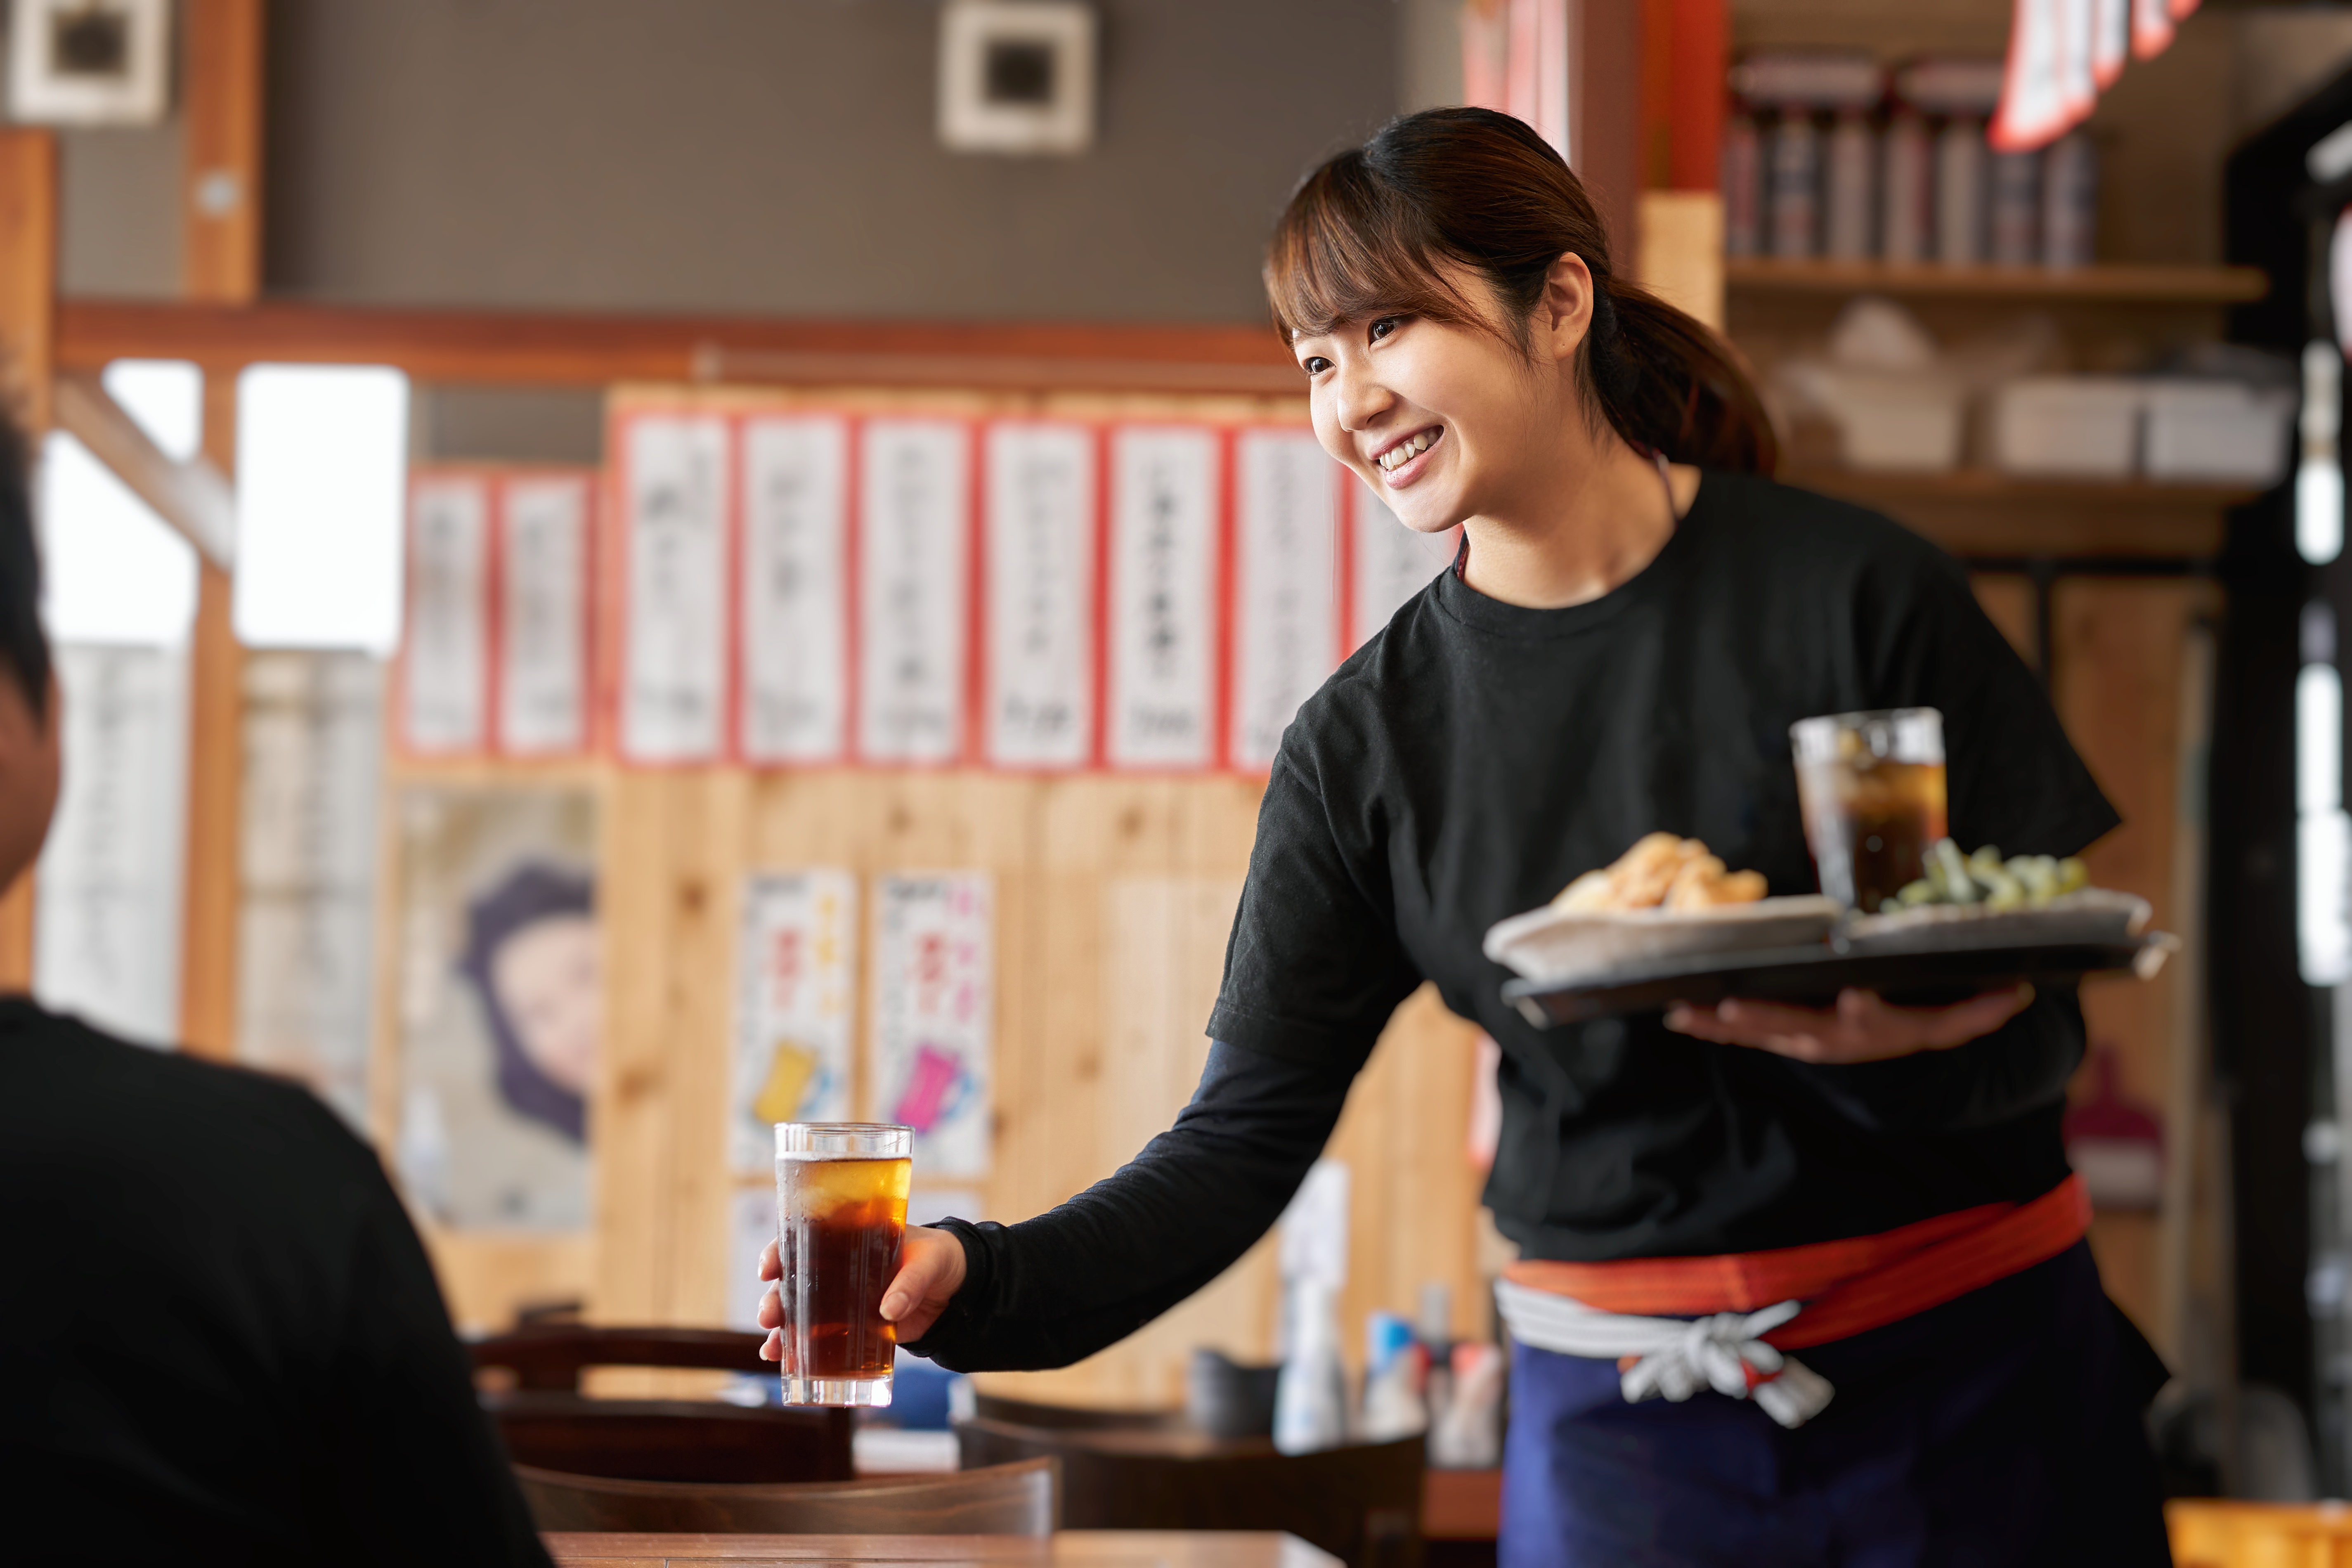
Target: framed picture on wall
point(90, 62)
point(1018, 76)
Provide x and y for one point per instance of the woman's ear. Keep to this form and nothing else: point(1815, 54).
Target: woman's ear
point(1564, 315)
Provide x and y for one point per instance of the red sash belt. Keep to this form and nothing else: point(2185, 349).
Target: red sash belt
point(1848, 1286)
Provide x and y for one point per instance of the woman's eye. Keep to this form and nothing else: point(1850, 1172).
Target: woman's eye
point(1386, 326)
point(1316, 364)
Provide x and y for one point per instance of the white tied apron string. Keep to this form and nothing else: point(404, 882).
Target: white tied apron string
point(1675, 1357)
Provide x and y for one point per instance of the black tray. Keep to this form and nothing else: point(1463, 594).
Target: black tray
point(1814, 976)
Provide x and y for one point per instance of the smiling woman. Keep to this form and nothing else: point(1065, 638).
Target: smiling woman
point(1636, 618)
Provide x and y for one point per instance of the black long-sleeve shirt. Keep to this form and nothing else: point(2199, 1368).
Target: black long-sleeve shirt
point(1463, 766)
point(220, 1339)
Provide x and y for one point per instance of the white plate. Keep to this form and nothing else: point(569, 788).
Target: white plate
point(1574, 947)
point(2092, 916)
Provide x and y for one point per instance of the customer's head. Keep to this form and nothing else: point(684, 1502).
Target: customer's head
point(28, 697)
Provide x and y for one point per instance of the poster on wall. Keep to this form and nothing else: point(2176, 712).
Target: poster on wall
point(1040, 565)
point(1286, 635)
point(1390, 563)
point(444, 647)
point(500, 1005)
point(674, 587)
point(794, 589)
point(106, 936)
point(546, 526)
point(796, 975)
point(934, 1015)
point(1162, 643)
point(914, 536)
point(307, 857)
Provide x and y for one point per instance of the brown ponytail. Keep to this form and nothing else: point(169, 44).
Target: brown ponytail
point(1367, 234)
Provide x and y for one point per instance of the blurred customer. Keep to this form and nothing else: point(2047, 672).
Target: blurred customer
point(220, 1339)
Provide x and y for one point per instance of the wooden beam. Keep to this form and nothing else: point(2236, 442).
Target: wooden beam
point(211, 894)
point(192, 497)
point(29, 285)
point(221, 95)
point(523, 348)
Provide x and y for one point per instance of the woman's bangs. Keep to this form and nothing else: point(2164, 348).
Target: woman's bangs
point(1337, 259)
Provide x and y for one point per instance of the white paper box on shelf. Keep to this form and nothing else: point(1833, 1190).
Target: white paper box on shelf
point(1888, 421)
point(2078, 426)
point(2224, 430)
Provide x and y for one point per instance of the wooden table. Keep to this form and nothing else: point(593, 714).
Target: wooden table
point(1067, 1549)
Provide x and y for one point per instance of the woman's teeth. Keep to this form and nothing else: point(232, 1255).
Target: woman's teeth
point(1404, 452)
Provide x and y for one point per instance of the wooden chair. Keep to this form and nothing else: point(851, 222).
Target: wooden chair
point(1004, 1499)
point(1362, 1503)
point(547, 1424)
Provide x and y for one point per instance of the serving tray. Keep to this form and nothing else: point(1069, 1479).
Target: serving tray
point(1813, 975)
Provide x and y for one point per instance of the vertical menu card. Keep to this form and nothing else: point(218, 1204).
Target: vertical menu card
point(794, 589)
point(1163, 611)
point(546, 524)
point(445, 654)
point(914, 488)
point(673, 675)
point(1285, 634)
point(1040, 566)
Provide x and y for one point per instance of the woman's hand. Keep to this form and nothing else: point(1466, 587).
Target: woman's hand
point(931, 1269)
point(1859, 1028)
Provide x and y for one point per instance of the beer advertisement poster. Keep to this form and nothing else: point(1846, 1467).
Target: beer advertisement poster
point(934, 1015)
point(795, 1009)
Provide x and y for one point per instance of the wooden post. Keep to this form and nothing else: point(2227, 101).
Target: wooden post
point(209, 896)
point(222, 90)
point(222, 115)
point(28, 285)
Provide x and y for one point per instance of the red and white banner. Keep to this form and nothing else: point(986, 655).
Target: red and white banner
point(1164, 606)
point(673, 654)
point(914, 539)
point(445, 657)
point(793, 591)
point(495, 656)
point(545, 572)
point(1286, 635)
point(1040, 507)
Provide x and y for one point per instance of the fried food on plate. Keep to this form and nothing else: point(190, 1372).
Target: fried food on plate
point(1663, 870)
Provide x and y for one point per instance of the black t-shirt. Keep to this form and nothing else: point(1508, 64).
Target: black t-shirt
point(220, 1339)
point(1463, 766)
point(1469, 763)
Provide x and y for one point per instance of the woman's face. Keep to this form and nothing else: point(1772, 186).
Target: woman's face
point(1445, 422)
point(546, 980)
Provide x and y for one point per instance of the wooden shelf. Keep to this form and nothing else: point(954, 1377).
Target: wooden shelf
point(2103, 285)
point(1978, 512)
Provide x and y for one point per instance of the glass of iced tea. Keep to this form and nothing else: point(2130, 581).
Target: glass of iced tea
point(841, 1215)
point(1872, 789)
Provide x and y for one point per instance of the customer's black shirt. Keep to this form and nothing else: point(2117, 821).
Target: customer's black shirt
point(220, 1340)
point(1467, 763)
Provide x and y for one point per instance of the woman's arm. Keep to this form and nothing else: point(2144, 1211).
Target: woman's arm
point(1056, 1288)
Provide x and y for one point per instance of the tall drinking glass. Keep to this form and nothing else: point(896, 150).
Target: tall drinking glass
point(841, 1216)
point(1872, 789)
